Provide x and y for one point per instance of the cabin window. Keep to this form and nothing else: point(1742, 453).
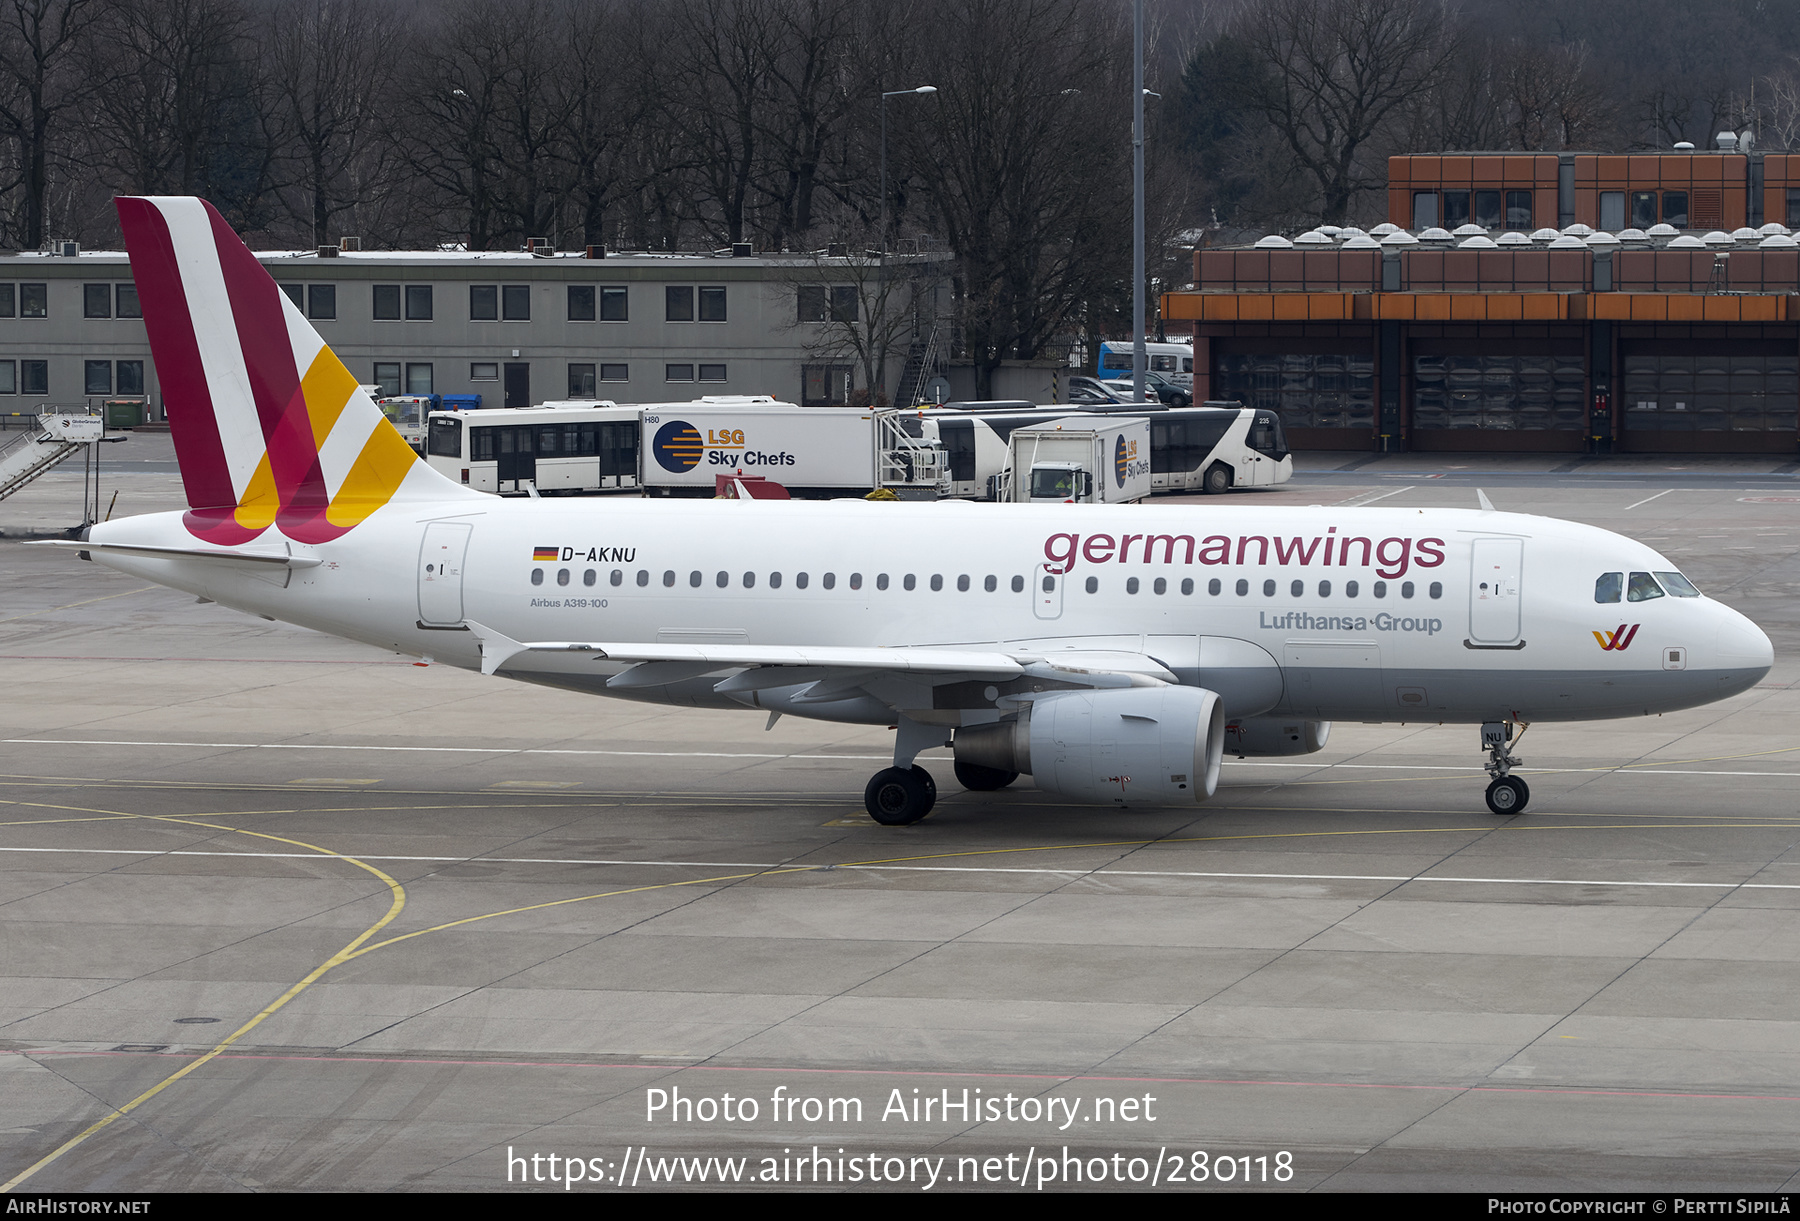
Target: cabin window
point(1642, 587)
point(1677, 584)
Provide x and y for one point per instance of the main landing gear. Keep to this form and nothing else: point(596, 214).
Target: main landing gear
point(897, 796)
point(1507, 794)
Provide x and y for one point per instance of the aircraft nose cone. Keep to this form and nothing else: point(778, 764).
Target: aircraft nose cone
point(1743, 645)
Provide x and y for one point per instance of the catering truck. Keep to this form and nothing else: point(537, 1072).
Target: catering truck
point(1105, 461)
point(811, 451)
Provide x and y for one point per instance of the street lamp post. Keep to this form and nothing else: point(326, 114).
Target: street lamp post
point(884, 195)
point(1140, 357)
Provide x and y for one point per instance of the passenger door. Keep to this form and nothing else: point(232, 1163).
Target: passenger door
point(441, 572)
point(1494, 597)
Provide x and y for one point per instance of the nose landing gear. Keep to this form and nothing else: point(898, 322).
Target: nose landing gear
point(1507, 794)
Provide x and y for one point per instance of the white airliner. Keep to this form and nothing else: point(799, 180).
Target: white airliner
point(1114, 653)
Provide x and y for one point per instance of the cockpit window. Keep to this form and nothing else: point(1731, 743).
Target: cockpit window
point(1642, 588)
point(1678, 585)
point(1609, 586)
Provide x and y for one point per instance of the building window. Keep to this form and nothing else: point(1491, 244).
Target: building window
point(1643, 209)
point(1456, 209)
point(34, 377)
point(6, 294)
point(418, 303)
point(131, 377)
point(712, 304)
point(615, 373)
point(34, 301)
point(515, 303)
point(484, 371)
point(581, 381)
point(1487, 209)
point(321, 302)
point(678, 373)
point(1675, 208)
point(296, 293)
point(484, 303)
point(844, 305)
point(418, 378)
point(1612, 211)
point(1793, 212)
point(712, 373)
point(387, 376)
point(678, 303)
point(581, 303)
point(1425, 212)
point(98, 378)
point(128, 302)
point(96, 300)
point(9, 377)
point(614, 305)
point(1518, 209)
point(387, 303)
point(812, 303)
point(825, 385)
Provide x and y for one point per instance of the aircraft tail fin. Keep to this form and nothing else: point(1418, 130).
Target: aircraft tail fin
point(270, 428)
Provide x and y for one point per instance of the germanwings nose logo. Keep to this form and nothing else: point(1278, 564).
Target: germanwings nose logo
point(1617, 640)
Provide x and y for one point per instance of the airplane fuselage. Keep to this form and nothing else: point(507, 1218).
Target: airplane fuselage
point(1327, 614)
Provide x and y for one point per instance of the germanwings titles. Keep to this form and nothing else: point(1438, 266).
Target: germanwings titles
point(1113, 653)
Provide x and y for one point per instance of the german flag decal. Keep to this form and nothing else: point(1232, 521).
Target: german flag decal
point(545, 554)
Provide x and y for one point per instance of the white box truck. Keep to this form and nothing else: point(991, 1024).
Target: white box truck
point(811, 451)
point(1106, 463)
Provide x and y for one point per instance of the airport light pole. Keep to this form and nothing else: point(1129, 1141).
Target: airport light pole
point(1140, 356)
point(884, 195)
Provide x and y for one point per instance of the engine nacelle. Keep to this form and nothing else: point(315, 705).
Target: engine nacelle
point(1136, 745)
point(1275, 736)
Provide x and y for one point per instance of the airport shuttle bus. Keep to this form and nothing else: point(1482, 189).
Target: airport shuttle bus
point(1113, 653)
point(1210, 448)
point(556, 447)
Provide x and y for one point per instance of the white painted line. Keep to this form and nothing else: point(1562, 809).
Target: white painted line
point(1648, 769)
point(453, 750)
point(1369, 498)
point(1646, 500)
point(900, 868)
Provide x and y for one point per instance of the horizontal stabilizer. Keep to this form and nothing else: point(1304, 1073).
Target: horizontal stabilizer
point(241, 555)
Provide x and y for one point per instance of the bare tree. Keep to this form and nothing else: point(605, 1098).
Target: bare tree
point(1331, 76)
point(863, 308)
point(327, 62)
point(40, 83)
point(1026, 171)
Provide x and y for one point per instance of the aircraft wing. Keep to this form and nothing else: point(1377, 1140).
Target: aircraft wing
point(936, 663)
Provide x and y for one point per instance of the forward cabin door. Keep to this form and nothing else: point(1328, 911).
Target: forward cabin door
point(441, 573)
point(1494, 598)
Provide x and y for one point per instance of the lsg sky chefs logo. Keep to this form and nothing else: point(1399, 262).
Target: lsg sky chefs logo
point(677, 446)
point(1121, 459)
point(1618, 640)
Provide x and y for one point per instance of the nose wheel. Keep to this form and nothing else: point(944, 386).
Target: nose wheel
point(1507, 794)
point(900, 796)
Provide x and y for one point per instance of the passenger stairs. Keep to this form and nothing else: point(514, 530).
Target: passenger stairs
point(52, 440)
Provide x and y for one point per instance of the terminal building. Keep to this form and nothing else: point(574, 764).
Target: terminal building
point(1576, 303)
point(516, 328)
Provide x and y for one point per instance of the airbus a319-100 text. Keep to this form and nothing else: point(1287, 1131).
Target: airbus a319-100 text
point(1114, 653)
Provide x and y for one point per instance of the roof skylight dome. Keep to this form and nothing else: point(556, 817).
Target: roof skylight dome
point(1578, 230)
point(1568, 241)
point(1479, 241)
point(1545, 235)
point(1273, 241)
point(1469, 230)
point(1686, 241)
point(1777, 241)
point(1512, 237)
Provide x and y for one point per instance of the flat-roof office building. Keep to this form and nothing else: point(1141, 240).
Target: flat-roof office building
point(1503, 337)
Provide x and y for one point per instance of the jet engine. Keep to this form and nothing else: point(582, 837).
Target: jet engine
point(1275, 736)
point(1134, 745)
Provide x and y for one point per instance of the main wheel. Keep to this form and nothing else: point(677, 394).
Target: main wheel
point(982, 779)
point(1218, 479)
point(898, 796)
point(930, 783)
point(1508, 795)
